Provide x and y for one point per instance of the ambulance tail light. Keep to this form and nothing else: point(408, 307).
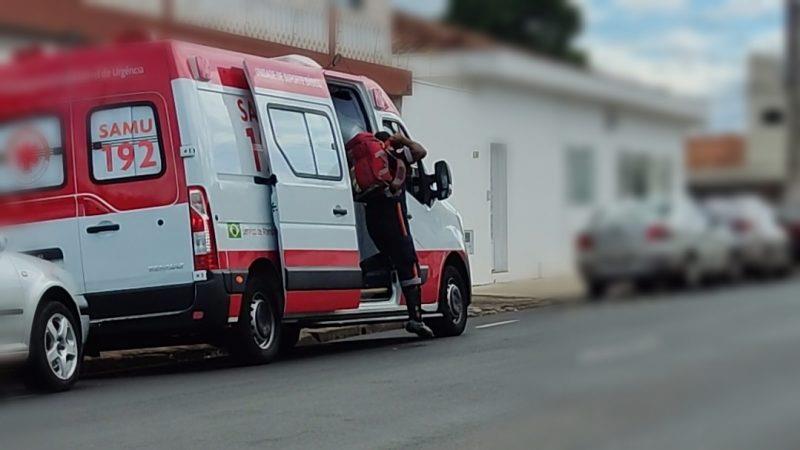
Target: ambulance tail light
point(205, 251)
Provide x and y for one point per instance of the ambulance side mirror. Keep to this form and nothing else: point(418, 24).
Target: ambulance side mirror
point(444, 180)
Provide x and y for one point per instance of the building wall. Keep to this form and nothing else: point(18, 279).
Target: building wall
point(767, 116)
point(538, 130)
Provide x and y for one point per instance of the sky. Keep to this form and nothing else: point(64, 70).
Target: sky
point(696, 48)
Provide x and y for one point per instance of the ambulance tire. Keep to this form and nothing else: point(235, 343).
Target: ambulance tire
point(256, 338)
point(454, 298)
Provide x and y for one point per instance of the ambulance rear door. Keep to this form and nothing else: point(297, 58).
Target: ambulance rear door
point(312, 200)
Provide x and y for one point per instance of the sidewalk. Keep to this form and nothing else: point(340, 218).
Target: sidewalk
point(524, 294)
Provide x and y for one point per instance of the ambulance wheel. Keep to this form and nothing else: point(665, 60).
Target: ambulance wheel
point(54, 363)
point(453, 303)
point(257, 337)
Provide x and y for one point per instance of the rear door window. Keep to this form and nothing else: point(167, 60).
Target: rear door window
point(32, 155)
point(125, 143)
point(306, 140)
point(233, 130)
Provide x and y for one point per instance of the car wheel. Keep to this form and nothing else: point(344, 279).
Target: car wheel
point(645, 285)
point(597, 290)
point(735, 271)
point(691, 276)
point(258, 333)
point(54, 363)
point(454, 296)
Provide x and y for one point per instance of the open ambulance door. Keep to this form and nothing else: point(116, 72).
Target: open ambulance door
point(312, 201)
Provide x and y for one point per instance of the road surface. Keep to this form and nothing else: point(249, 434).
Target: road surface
point(713, 370)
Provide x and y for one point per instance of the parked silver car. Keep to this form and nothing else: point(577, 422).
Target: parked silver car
point(649, 241)
point(762, 243)
point(43, 322)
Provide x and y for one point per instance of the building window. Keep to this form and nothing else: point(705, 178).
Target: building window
point(640, 175)
point(125, 143)
point(772, 117)
point(632, 175)
point(580, 176)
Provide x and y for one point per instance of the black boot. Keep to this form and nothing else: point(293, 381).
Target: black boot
point(413, 295)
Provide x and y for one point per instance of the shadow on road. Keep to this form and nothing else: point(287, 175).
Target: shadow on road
point(211, 359)
point(214, 359)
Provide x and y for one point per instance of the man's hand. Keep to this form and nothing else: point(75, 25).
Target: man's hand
point(415, 151)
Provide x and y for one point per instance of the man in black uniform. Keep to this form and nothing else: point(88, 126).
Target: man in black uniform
point(387, 223)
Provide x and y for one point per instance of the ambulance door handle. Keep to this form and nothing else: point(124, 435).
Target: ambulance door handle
point(104, 228)
point(339, 211)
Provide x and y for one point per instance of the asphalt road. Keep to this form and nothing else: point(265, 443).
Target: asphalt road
point(714, 370)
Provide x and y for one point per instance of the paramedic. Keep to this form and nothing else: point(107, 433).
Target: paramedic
point(387, 223)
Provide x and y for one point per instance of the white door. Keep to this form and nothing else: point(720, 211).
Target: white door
point(312, 199)
point(499, 207)
point(134, 217)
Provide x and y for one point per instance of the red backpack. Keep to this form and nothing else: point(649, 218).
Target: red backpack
point(373, 168)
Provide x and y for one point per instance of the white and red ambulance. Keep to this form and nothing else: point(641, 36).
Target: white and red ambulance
point(198, 193)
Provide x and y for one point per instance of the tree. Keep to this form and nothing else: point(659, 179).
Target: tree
point(545, 26)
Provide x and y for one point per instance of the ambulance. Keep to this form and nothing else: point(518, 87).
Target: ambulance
point(203, 195)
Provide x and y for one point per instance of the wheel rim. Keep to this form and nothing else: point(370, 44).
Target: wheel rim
point(455, 301)
point(262, 321)
point(61, 347)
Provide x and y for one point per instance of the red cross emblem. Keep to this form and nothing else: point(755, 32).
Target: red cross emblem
point(29, 153)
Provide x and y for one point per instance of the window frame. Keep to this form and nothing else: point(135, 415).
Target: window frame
point(575, 195)
point(304, 111)
point(90, 143)
point(358, 97)
point(65, 153)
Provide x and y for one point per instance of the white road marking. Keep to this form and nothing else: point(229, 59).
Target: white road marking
point(496, 324)
point(623, 350)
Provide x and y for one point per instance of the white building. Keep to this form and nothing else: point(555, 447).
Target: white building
point(535, 146)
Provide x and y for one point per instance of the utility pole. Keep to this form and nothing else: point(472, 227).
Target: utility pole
point(792, 57)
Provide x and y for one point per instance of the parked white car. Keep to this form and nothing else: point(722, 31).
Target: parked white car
point(649, 241)
point(762, 244)
point(43, 322)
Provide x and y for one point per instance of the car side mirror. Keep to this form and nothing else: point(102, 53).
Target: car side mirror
point(3, 243)
point(444, 180)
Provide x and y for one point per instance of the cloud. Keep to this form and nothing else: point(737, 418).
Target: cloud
point(685, 41)
point(651, 6)
point(746, 9)
point(593, 14)
point(426, 8)
point(770, 41)
point(689, 76)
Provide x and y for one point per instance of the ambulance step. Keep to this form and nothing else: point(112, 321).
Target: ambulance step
point(376, 294)
point(370, 320)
